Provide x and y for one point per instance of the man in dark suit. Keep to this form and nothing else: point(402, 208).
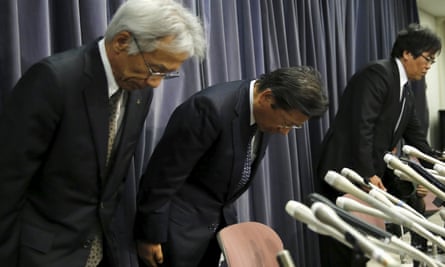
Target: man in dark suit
point(61, 175)
point(207, 158)
point(375, 113)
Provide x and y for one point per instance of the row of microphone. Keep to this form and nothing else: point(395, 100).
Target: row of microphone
point(336, 221)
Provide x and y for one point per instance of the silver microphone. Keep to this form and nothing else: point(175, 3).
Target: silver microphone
point(327, 215)
point(412, 151)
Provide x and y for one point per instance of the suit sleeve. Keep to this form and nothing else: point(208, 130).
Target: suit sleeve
point(370, 92)
point(28, 123)
point(191, 131)
point(415, 136)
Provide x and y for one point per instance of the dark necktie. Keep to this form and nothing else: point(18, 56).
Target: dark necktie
point(245, 175)
point(112, 122)
point(402, 101)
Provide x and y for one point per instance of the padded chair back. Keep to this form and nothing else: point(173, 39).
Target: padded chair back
point(250, 244)
point(378, 222)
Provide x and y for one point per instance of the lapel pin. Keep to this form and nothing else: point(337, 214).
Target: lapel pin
point(138, 101)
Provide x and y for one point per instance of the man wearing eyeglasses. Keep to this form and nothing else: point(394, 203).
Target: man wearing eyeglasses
point(376, 111)
point(69, 129)
point(208, 156)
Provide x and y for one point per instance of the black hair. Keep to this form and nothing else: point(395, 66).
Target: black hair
point(416, 39)
point(296, 88)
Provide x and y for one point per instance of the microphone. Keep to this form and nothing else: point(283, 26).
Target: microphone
point(439, 168)
point(397, 245)
point(426, 175)
point(284, 259)
point(328, 216)
point(442, 214)
point(423, 222)
point(352, 175)
point(304, 214)
point(379, 196)
point(344, 185)
point(412, 151)
point(395, 163)
point(351, 219)
point(350, 204)
point(355, 177)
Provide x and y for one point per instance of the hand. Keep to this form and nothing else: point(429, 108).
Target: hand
point(421, 191)
point(151, 254)
point(375, 180)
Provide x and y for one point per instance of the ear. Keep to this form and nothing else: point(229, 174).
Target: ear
point(407, 55)
point(266, 96)
point(121, 42)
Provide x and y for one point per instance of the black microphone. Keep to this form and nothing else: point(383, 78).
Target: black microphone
point(425, 174)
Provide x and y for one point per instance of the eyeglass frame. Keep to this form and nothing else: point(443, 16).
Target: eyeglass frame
point(429, 60)
point(151, 72)
point(286, 126)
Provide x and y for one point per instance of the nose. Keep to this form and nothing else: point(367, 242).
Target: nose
point(153, 82)
point(284, 131)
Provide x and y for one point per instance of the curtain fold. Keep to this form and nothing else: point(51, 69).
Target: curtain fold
point(245, 39)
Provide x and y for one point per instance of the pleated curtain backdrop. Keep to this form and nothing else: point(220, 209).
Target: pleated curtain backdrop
point(245, 39)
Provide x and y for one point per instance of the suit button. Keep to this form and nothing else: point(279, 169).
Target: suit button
point(87, 243)
point(213, 227)
point(102, 205)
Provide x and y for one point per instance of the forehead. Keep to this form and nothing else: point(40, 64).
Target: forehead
point(295, 116)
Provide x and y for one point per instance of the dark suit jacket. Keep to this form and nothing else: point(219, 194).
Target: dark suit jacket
point(191, 179)
point(55, 195)
point(363, 129)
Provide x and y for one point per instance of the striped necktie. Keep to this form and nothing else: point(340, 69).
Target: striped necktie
point(245, 175)
point(112, 121)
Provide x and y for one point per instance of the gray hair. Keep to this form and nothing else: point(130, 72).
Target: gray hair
point(150, 20)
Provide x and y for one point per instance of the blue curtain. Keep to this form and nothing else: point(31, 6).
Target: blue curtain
point(245, 38)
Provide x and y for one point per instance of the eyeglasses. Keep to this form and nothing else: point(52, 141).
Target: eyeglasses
point(286, 125)
point(429, 60)
point(151, 72)
point(290, 126)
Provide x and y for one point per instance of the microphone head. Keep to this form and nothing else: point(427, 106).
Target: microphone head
point(292, 206)
point(303, 214)
point(341, 202)
point(442, 214)
point(353, 176)
point(340, 183)
point(439, 168)
point(388, 158)
point(299, 211)
point(323, 212)
point(410, 150)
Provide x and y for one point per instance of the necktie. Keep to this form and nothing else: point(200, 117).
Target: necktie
point(96, 250)
point(403, 100)
point(245, 175)
point(112, 121)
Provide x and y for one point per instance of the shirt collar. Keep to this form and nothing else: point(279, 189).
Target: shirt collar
point(111, 81)
point(251, 91)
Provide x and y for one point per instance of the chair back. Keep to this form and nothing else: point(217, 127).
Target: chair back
point(250, 244)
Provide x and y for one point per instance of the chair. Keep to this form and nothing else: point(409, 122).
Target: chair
point(250, 244)
point(378, 222)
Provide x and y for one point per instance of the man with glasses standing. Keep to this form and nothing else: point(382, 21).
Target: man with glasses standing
point(207, 157)
point(69, 130)
point(376, 111)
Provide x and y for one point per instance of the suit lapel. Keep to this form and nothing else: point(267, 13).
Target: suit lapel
point(96, 103)
point(138, 103)
point(240, 136)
